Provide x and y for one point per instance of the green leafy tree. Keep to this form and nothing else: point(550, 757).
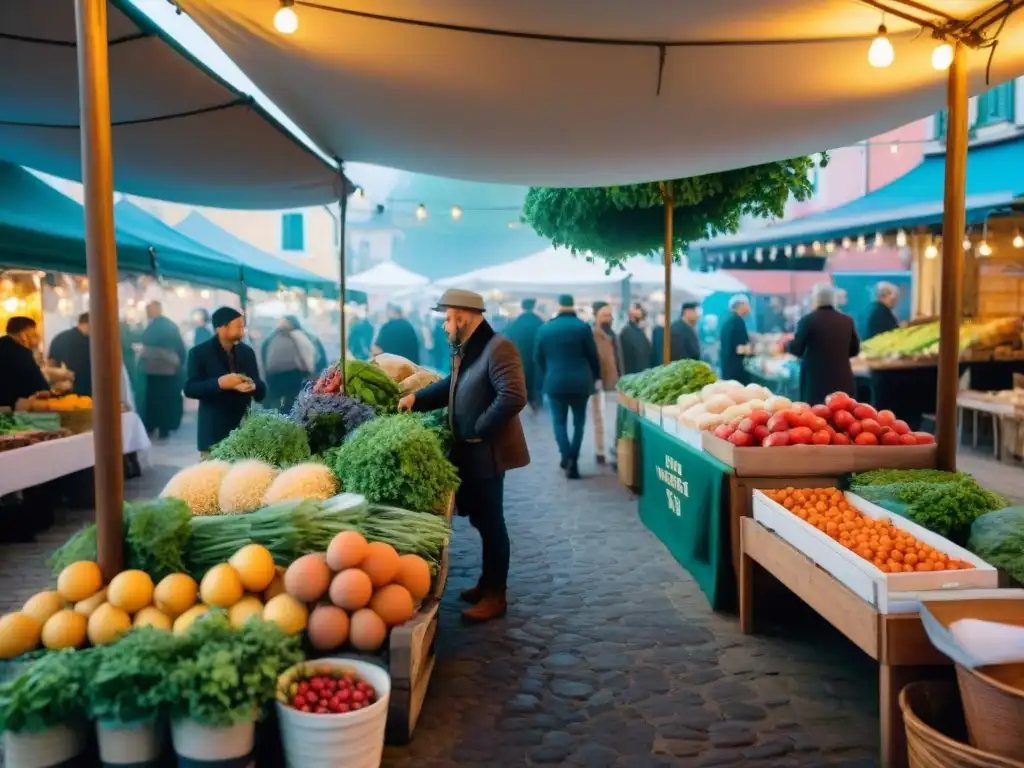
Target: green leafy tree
point(616, 223)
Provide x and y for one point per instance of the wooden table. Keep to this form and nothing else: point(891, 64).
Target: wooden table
point(978, 403)
point(896, 641)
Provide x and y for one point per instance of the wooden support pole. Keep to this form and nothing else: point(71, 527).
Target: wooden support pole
point(342, 266)
point(666, 346)
point(952, 289)
point(101, 260)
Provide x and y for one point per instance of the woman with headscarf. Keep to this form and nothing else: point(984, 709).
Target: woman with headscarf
point(289, 361)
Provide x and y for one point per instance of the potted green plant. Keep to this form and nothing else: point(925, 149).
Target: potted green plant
point(42, 712)
point(223, 680)
point(128, 693)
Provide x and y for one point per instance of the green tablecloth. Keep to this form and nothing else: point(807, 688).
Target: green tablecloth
point(681, 496)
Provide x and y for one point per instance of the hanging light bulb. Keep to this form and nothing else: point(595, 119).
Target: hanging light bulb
point(743, 257)
point(862, 243)
point(901, 239)
point(830, 246)
point(942, 56)
point(894, 148)
point(967, 242)
point(286, 21)
point(758, 255)
point(881, 53)
point(847, 243)
point(816, 246)
point(788, 251)
point(732, 257)
point(801, 249)
point(204, 294)
point(879, 240)
point(773, 253)
point(932, 251)
point(1018, 240)
point(421, 212)
point(984, 249)
point(456, 212)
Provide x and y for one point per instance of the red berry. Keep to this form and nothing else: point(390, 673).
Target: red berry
point(343, 694)
point(358, 696)
point(303, 686)
point(317, 684)
point(321, 710)
point(357, 705)
point(343, 707)
point(362, 686)
point(307, 708)
point(299, 701)
point(312, 698)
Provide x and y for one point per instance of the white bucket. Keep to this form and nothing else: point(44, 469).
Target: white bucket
point(196, 743)
point(43, 749)
point(130, 743)
point(346, 740)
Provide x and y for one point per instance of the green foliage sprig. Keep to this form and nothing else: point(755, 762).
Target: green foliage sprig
point(131, 679)
point(47, 692)
point(616, 223)
point(396, 460)
point(265, 435)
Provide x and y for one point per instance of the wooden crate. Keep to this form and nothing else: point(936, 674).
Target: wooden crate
point(411, 659)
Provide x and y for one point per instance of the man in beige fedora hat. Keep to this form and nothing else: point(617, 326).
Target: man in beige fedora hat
point(484, 394)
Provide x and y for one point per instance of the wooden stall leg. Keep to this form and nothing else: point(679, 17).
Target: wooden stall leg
point(891, 680)
point(746, 588)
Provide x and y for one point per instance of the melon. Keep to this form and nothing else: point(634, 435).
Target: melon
point(65, 629)
point(346, 550)
point(311, 480)
point(183, 622)
point(351, 589)
point(198, 486)
point(152, 617)
point(79, 581)
point(175, 594)
point(328, 627)
point(243, 486)
point(308, 578)
point(221, 587)
point(245, 609)
point(414, 575)
point(393, 604)
point(130, 591)
point(19, 633)
point(287, 612)
point(367, 631)
point(43, 605)
point(90, 604)
point(255, 566)
point(108, 623)
point(380, 563)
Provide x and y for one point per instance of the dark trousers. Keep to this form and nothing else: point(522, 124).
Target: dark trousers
point(164, 404)
point(283, 387)
point(482, 500)
point(560, 408)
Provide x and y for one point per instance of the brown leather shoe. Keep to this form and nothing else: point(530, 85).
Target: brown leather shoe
point(490, 607)
point(473, 595)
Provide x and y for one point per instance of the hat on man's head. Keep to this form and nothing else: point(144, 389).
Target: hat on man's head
point(224, 315)
point(599, 305)
point(456, 298)
point(529, 304)
point(565, 301)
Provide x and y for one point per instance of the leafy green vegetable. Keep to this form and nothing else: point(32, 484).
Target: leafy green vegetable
point(411, 533)
point(226, 676)
point(265, 435)
point(47, 692)
point(437, 422)
point(131, 679)
point(396, 460)
point(946, 503)
point(327, 418)
point(664, 384)
point(998, 539)
point(156, 534)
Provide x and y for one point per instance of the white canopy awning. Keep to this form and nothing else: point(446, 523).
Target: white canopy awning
point(180, 133)
point(455, 88)
point(650, 276)
point(548, 272)
point(385, 277)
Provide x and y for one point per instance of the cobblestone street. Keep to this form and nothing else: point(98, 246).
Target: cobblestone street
point(609, 655)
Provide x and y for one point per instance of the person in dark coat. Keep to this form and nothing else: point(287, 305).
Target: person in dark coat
point(484, 395)
point(880, 317)
point(825, 341)
point(523, 333)
point(736, 340)
point(201, 327)
point(20, 374)
point(289, 359)
point(70, 348)
point(635, 348)
point(224, 377)
point(398, 337)
point(684, 340)
point(568, 366)
point(162, 366)
point(360, 338)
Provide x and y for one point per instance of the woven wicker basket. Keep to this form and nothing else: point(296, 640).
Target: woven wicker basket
point(935, 730)
point(77, 421)
point(994, 708)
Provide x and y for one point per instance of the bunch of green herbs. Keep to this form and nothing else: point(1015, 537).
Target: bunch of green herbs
point(265, 435)
point(47, 692)
point(395, 460)
point(130, 682)
point(664, 384)
point(411, 533)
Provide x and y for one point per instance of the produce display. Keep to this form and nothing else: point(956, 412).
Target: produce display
point(327, 691)
point(12, 440)
point(396, 460)
point(366, 382)
point(162, 536)
point(923, 340)
point(267, 436)
point(409, 376)
point(328, 418)
point(947, 503)
point(841, 420)
point(890, 549)
point(20, 421)
point(49, 403)
point(722, 402)
point(998, 538)
point(664, 384)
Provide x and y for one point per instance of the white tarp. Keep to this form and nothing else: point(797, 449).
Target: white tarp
point(548, 272)
point(743, 82)
point(180, 133)
point(385, 277)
